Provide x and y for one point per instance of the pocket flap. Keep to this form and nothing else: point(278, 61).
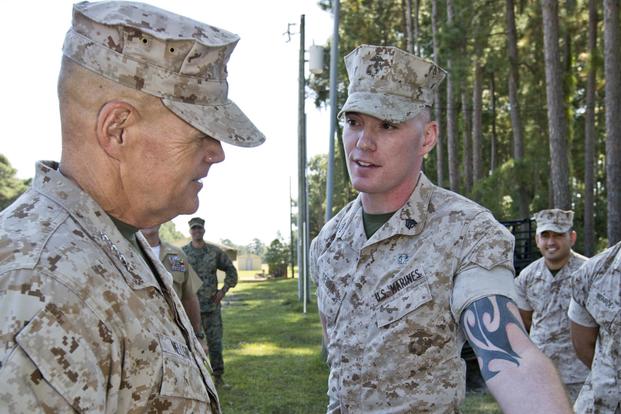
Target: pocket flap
point(182, 379)
point(402, 304)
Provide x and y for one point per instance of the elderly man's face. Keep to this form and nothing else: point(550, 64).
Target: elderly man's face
point(164, 164)
point(383, 159)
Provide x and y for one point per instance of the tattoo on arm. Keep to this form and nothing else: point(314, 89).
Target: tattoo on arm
point(485, 323)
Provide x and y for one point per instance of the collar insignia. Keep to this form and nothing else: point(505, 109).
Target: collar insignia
point(410, 223)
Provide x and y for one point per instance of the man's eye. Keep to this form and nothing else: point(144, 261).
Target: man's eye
point(351, 122)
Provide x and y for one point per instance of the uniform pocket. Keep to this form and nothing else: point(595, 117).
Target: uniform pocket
point(403, 303)
point(181, 377)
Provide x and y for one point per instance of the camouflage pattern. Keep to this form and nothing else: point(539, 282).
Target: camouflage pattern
point(84, 323)
point(556, 220)
point(548, 298)
point(212, 325)
point(185, 280)
point(597, 290)
point(394, 340)
point(389, 83)
point(166, 55)
point(206, 261)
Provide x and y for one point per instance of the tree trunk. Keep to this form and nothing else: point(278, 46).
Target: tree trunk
point(477, 107)
point(493, 158)
point(408, 26)
point(438, 103)
point(416, 27)
point(451, 141)
point(557, 122)
point(467, 141)
point(589, 136)
point(612, 70)
point(516, 120)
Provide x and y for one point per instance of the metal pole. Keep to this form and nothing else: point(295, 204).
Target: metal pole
point(302, 245)
point(334, 51)
point(291, 232)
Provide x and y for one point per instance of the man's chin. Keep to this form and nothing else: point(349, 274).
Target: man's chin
point(189, 207)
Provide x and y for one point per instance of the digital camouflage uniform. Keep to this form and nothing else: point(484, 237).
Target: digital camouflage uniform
point(392, 302)
point(206, 261)
point(185, 280)
point(84, 324)
point(548, 298)
point(596, 302)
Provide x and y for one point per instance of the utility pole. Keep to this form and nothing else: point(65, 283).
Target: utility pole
point(334, 52)
point(291, 256)
point(303, 239)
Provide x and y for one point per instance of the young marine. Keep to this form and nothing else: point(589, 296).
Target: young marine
point(408, 271)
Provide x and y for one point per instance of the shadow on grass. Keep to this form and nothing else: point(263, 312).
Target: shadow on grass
point(275, 384)
point(272, 351)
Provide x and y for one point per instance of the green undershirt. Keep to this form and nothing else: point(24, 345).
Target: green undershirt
point(127, 231)
point(130, 233)
point(372, 222)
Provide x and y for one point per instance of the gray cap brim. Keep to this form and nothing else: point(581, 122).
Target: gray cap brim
point(226, 123)
point(556, 228)
point(391, 108)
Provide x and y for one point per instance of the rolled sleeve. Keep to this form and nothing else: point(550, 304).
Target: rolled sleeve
point(477, 283)
point(520, 293)
point(580, 315)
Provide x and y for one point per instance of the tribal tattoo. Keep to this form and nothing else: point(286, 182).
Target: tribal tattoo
point(485, 324)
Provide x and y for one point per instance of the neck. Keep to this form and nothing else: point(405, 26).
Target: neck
point(555, 265)
point(153, 239)
point(97, 176)
point(389, 202)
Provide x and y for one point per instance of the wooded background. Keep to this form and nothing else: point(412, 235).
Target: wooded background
point(529, 114)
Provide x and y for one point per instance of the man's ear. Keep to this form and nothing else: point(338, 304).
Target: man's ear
point(430, 137)
point(572, 237)
point(112, 122)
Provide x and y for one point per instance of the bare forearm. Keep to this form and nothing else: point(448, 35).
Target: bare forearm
point(520, 377)
point(535, 377)
point(584, 339)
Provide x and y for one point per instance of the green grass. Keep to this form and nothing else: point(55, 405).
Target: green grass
point(272, 353)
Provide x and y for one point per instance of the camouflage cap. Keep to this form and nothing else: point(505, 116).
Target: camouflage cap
point(389, 83)
point(556, 220)
point(166, 55)
point(196, 222)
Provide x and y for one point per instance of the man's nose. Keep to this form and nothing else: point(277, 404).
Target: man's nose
point(215, 153)
point(365, 140)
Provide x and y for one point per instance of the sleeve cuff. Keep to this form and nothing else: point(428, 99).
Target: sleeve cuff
point(580, 315)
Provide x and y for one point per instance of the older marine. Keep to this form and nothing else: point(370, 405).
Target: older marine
point(88, 318)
